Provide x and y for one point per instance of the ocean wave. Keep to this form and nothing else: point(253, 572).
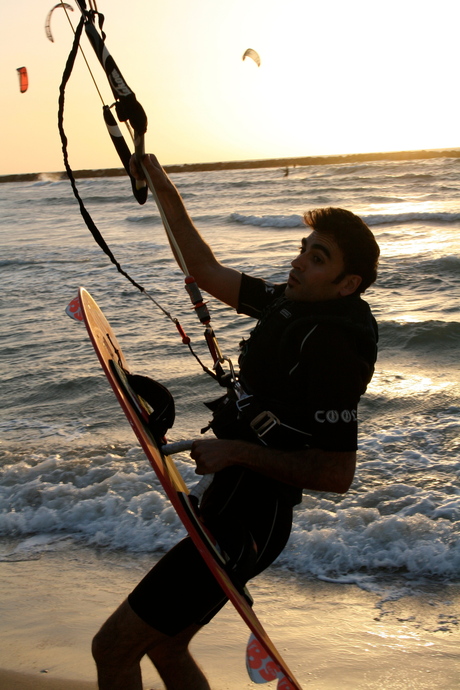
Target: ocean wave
point(401, 218)
point(401, 517)
point(373, 220)
point(23, 263)
point(444, 265)
point(69, 200)
point(111, 498)
point(47, 179)
point(413, 177)
point(144, 220)
point(434, 337)
point(292, 221)
point(418, 540)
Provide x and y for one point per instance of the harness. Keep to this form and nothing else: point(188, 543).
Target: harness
point(268, 360)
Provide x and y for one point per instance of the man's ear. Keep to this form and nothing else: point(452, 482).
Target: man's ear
point(349, 285)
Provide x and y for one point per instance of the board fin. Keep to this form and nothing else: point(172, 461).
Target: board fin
point(73, 309)
point(261, 667)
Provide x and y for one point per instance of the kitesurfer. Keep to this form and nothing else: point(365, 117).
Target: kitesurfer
point(303, 369)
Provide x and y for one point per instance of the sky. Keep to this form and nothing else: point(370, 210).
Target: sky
point(335, 77)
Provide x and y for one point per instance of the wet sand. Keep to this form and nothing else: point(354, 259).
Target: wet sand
point(332, 636)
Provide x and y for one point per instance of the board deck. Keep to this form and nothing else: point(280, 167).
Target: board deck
point(115, 367)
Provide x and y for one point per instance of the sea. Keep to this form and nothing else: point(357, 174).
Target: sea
point(71, 470)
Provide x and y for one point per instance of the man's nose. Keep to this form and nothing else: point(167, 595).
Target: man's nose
point(298, 262)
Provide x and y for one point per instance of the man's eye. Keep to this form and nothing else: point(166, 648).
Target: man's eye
point(301, 249)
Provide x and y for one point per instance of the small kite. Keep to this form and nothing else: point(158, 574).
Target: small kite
point(23, 79)
point(252, 54)
point(48, 18)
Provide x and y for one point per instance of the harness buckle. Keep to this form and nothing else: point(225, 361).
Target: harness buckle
point(244, 401)
point(263, 423)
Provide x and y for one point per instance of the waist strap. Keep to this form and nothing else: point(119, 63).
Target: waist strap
point(267, 427)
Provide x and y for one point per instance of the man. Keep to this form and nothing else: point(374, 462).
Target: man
point(303, 370)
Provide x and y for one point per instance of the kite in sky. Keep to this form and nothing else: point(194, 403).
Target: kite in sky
point(48, 18)
point(23, 79)
point(252, 54)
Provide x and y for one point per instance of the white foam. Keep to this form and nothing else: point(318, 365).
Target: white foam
point(279, 221)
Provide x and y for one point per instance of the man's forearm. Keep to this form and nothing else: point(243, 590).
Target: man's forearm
point(196, 252)
point(312, 468)
point(209, 273)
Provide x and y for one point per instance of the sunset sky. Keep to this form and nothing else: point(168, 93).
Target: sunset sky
point(336, 77)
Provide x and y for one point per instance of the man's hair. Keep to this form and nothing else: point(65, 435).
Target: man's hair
point(351, 234)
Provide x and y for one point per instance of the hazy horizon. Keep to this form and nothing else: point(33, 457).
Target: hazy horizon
point(262, 162)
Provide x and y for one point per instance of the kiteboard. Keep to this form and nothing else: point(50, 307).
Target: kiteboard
point(264, 662)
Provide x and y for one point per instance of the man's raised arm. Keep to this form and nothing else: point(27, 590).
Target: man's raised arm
point(220, 281)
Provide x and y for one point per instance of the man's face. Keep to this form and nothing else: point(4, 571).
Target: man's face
point(315, 269)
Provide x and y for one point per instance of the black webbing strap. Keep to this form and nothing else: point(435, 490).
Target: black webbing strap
point(84, 212)
point(128, 108)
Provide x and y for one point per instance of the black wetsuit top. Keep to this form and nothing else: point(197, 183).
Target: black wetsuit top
point(311, 361)
point(308, 364)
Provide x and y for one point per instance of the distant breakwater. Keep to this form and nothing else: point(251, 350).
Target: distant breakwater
point(249, 164)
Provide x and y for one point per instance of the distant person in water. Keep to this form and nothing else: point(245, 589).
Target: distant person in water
point(305, 365)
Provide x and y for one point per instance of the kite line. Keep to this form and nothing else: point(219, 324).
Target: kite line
point(129, 110)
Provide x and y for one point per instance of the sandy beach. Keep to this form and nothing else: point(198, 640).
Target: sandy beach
point(331, 635)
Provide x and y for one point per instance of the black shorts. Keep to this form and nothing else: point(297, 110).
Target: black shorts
point(251, 521)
